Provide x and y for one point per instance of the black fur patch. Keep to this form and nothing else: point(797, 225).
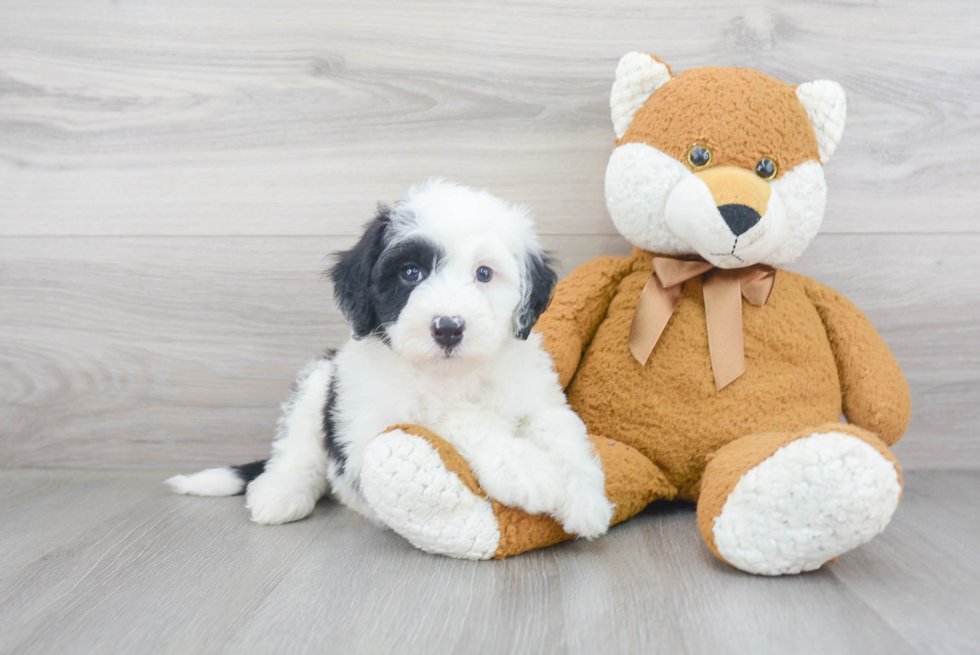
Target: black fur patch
point(351, 276)
point(248, 472)
point(334, 451)
point(368, 286)
point(539, 280)
point(389, 292)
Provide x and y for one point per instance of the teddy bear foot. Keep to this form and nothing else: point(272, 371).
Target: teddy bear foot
point(409, 487)
point(816, 496)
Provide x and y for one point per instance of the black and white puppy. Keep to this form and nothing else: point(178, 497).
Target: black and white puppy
point(441, 293)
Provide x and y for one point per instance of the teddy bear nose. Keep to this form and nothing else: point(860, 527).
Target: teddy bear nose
point(740, 218)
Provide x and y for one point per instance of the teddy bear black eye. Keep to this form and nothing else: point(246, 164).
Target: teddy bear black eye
point(766, 169)
point(699, 157)
point(484, 274)
point(411, 274)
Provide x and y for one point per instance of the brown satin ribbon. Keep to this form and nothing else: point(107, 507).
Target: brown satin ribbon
point(723, 293)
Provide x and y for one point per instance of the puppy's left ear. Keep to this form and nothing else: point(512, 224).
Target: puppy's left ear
point(538, 283)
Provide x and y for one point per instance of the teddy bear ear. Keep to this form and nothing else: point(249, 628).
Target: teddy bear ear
point(638, 75)
point(826, 106)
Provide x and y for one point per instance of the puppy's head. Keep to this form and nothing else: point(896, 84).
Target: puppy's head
point(447, 273)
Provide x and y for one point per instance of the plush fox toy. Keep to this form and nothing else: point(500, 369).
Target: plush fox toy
point(703, 371)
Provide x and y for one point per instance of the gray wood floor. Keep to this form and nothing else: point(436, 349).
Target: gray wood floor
point(99, 562)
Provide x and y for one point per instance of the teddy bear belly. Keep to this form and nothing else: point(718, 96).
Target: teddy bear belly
point(670, 410)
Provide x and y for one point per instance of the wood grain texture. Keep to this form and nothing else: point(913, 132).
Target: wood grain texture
point(295, 117)
point(149, 352)
point(938, 532)
point(170, 574)
point(172, 173)
point(69, 503)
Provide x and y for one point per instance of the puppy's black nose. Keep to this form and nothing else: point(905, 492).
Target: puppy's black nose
point(447, 330)
point(740, 218)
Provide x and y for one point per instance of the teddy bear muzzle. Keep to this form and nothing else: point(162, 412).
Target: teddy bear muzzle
point(729, 215)
point(741, 197)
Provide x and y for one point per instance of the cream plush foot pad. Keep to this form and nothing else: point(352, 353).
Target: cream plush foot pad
point(812, 500)
point(407, 485)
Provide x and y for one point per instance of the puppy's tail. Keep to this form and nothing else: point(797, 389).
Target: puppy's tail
point(224, 481)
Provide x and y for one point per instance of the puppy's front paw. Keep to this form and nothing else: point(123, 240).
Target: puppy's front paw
point(586, 512)
point(275, 499)
point(526, 479)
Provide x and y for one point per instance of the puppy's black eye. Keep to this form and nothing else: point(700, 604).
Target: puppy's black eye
point(699, 157)
point(484, 274)
point(766, 169)
point(411, 274)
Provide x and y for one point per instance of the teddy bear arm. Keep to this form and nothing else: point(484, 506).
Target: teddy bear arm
point(875, 393)
point(422, 488)
point(577, 308)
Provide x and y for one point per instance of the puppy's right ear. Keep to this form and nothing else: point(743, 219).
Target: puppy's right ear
point(352, 276)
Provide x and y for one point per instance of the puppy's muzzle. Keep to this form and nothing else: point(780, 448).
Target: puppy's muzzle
point(447, 331)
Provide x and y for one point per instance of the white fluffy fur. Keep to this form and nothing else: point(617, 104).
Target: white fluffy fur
point(814, 499)
point(209, 482)
point(658, 204)
point(496, 398)
point(506, 415)
point(803, 193)
point(295, 476)
point(476, 229)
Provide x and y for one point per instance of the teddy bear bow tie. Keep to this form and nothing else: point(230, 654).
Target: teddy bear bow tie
point(723, 293)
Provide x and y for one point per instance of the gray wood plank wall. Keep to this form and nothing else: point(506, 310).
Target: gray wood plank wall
point(172, 175)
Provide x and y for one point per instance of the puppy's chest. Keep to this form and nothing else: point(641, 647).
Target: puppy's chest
point(429, 402)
